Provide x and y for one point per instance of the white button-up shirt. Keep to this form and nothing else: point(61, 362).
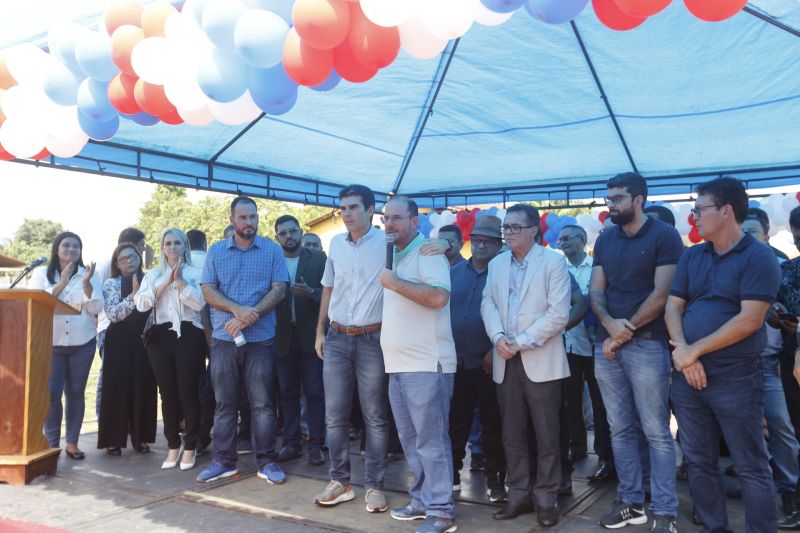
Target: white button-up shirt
point(175, 305)
point(353, 269)
point(577, 339)
point(72, 330)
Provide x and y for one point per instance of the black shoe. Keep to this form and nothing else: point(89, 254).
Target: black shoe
point(696, 517)
point(495, 486)
point(548, 516)
point(202, 448)
point(682, 473)
point(664, 524)
point(789, 504)
point(731, 471)
point(565, 489)
point(113, 451)
point(477, 463)
point(142, 448)
point(623, 514)
point(316, 457)
point(456, 481)
point(576, 455)
point(734, 494)
point(288, 453)
point(510, 511)
point(790, 522)
point(355, 434)
point(606, 472)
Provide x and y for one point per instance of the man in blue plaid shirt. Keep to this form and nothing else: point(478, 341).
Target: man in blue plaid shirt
point(243, 280)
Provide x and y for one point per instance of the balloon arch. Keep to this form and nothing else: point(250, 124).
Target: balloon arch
point(231, 60)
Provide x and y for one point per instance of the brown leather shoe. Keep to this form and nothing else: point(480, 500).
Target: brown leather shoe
point(548, 516)
point(510, 510)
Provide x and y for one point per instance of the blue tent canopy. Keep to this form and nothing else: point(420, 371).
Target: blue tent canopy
point(521, 111)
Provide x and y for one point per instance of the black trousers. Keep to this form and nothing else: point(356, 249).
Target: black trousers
point(581, 369)
point(524, 402)
point(473, 387)
point(177, 364)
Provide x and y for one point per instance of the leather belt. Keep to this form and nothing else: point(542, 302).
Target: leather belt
point(354, 331)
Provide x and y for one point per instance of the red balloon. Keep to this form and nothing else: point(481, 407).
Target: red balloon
point(372, 45)
point(152, 99)
point(121, 94)
point(322, 24)
point(122, 12)
point(543, 221)
point(348, 66)
point(305, 64)
point(797, 196)
point(692, 221)
point(602, 217)
point(714, 10)
point(694, 235)
point(5, 156)
point(613, 17)
point(41, 155)
point(6, 79)
point(173, 118)
point(641, 8)
point(154, 18)
point(123, 40)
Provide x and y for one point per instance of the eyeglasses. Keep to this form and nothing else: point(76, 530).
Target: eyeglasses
point(515, 228)
point(395, 219)
point(616, 199)
point(287, 232)
point(133, 258)
point(697, 210)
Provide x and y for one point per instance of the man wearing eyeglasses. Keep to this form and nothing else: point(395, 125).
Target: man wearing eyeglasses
point(634, 263)
point(525, 308)
point(715, 313)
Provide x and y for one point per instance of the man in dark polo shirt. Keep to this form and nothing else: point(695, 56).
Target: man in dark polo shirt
point(473, 385)
point(634, 263)
point(715, 313)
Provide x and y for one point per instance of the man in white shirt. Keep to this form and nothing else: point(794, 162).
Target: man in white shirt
point(421, 366)
point(198, 245)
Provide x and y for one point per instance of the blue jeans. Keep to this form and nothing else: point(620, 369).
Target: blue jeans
point(782, 442)
point(351, 359)
point(306, 368)
point(476, 434)
point(251, 366)
point(69, 371)
point(421, 407)
point(635, 389)
point(733, 403)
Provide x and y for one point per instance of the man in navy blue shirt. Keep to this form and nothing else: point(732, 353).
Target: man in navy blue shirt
point(634, 263)
point(473, 384)
point(244, 279)
point(715, 314)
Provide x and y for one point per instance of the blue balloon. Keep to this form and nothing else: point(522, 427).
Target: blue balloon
point(332, 81)
point(61, 85)
point(93, 52)
point(424, 226)
point(280, 109)
point(555, 11)
point(551, 235)
point(492, 211)
point(222, 77)
point(568, 221)
point(93, 100)
point(502, 6)
point(552, 220)
point(142, 119)
point(259, 36)
point(271, 88)
point(96, 129)
point(754, 203)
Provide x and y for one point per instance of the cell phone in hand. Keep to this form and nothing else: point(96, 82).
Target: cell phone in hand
point(787, 316)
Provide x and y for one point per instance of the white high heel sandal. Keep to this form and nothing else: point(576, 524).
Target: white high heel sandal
point(166, 465)
point(189, 466)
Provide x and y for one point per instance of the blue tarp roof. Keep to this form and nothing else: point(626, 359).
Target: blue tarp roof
point(524, 110)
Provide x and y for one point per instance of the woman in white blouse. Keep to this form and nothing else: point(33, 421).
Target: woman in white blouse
point(66, 278)
point(177, 345)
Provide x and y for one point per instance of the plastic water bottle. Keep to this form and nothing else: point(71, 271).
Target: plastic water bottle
point(239, 340)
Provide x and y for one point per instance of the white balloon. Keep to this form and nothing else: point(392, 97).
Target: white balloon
point(775, 200)
point(447, 217)
point(486, 17)
point(194, 10)
point(388, 13)
point(154, 59)
point(25, 103)
point(684, 210)
point(62, 39)
point(789, 202)
point(68, 147)
point(62, 123)
point(184, 91)
point(219, 22)
point(417, 41)
point(447, 19)
point(434, 234)
point(501, 214)
point(196, 117)
point(259, 37)
point(433, 218)
point(21, 138)
point(282, 8)
point(240, 111)
point(28, 64)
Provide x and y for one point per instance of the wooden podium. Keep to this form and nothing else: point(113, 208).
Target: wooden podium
point(26, 337)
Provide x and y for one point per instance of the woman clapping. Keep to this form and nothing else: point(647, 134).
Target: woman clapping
point(177, 345)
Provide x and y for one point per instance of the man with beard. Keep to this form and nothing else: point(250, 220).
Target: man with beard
point(297, 363)
point(243, 280)
point(634, 263)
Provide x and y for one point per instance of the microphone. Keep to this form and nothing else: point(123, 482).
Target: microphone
point(390, 238)
point(31, 266)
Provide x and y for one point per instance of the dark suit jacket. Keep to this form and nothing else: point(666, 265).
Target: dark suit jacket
point(310, 267)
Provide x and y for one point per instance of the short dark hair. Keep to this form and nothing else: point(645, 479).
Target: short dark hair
point(727, 191)
point(239, 199)
point(53, 265)
point(197, 239)
point(130, 235)
point(761, 215)
point(764, 227)
point(411, 205)
point(228, 228)
point(579, 229)
point(283, 219)
point(113, 268)
point(531, 212)
point(664, 214)
point(363, 192)
point(452, 228)
point(632, 182)
point(794, 217)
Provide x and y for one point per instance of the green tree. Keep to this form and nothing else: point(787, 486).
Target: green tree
point(33, 239)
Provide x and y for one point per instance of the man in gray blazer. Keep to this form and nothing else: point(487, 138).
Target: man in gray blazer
point(525, 307)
